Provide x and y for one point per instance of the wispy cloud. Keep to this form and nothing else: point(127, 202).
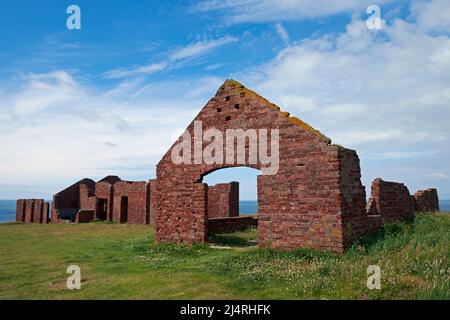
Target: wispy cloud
point(200, 48)
point(83, 131)
point(190, 51)
point(140, 70)
point(244, 11)
point(282, 33)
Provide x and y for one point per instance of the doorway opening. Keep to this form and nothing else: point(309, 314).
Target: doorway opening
point(232, 206)
point(123, 210)
point(102, 209)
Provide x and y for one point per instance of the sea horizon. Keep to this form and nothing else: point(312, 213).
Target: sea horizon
point(8, 208)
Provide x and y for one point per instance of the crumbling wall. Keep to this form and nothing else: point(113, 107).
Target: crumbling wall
point(85, 216)
point(356, 220)
point(392, 200)
point(32, 211)
point(151, 203)
point(20, 210)
point(223, 200)
point(66, 203)
point(104, 201)
point(38, 210)
point(426, 200)
point(29, 211)
point(46, 210)
point(135, 195)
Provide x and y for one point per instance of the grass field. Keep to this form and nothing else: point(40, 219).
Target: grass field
point(122, 262)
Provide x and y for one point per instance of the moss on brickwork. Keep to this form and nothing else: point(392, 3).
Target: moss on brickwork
point(240, 88)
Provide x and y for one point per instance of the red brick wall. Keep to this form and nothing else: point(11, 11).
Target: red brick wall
point(69, 198)
point(32, 211)
point(45, 212)
point(300, 206)
point(231, 223)
point(20, 210)
point(87, 197)
point(136, 192)
point(38, 210)
point(356, 220)
point(223, 200)
point(392, 200)
point(104, 191)
point(85, 216)
point(29, 211)
point(152, 204)
point(426, 200)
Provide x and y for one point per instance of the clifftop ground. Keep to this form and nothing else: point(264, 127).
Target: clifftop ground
point(122, 262)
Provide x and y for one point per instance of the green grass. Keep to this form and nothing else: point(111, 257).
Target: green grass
point(122, 262)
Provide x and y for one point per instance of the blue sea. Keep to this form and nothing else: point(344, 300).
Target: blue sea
point(8, 208)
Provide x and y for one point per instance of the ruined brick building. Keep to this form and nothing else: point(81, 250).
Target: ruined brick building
point(314, 200)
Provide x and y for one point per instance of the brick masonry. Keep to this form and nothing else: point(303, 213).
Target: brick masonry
point(223, 200)
point(85, 216)
point(109, 199)
point(32, 211)
point(356, 220)
point(130, 202)
point(392, 200)
point(152, 201)
point(20, 210)
point(426, 200)
point(304, 205)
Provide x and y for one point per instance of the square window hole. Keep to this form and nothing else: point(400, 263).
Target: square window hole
point(228, 118)
point(219, 109)
point(227, 98)
point(236, 106)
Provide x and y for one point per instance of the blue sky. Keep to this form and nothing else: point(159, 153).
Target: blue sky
point(111, 98)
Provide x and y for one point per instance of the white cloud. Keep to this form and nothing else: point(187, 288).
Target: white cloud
point(200, 48)
point(140, 70)
point(239, 11)
point(90, 132)
point(432, 15)
point(381, 93)
point(190, 51)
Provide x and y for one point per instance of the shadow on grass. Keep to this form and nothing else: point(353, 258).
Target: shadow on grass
point(231, 240)
point(238, 238)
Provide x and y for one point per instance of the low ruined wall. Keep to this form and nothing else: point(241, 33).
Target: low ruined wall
point(32, 211)
point(229, 224)
point(426, 200)
point(85, 216)
point(223, 200)
point(393, 201)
